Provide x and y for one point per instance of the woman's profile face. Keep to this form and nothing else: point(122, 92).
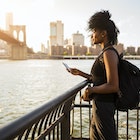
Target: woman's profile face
point(97, 36)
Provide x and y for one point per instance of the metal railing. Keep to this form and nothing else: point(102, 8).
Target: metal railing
point(65, 118)
point(50, 121)
point(127, 123)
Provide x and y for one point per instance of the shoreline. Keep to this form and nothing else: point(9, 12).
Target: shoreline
point(133, 57)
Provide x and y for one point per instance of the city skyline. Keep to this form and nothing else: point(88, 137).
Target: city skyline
point(38, 14)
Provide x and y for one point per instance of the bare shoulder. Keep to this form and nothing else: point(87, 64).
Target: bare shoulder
point(110, 54)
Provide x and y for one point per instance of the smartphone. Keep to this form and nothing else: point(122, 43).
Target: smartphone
point(67, 67)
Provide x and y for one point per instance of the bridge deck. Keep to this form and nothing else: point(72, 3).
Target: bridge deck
point(8, 38)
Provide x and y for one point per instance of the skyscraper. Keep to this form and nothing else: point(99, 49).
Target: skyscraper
point(77, 39)
point(9, 20)
point(56, 33)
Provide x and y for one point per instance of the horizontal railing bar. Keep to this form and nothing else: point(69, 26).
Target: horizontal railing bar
point(83, 105)
point(87, 105)
point(20, 125)
point(80, 139)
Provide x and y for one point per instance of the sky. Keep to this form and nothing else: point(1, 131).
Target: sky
point(74, 14)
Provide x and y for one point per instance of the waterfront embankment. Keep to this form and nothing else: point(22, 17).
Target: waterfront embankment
point(40, 56)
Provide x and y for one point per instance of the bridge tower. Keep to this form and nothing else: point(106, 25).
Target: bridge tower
point(18, 51)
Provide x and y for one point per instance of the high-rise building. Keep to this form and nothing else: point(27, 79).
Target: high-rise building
point(56, 33)
point(77, 39)
point(9, 20)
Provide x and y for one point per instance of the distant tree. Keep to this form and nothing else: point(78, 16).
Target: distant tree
point(88, 53)
point(65, 53)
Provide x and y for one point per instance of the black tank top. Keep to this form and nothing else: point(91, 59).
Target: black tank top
point(99, 77)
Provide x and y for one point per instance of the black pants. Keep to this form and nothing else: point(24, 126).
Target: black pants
point(103, 122)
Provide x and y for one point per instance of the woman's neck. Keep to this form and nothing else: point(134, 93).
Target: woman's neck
point(105, 44)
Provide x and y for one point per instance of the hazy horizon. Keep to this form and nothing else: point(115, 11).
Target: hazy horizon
point(37, 15)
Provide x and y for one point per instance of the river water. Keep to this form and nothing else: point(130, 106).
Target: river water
point(26, 85)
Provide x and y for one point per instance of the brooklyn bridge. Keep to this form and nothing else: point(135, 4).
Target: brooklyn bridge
point(17, 44)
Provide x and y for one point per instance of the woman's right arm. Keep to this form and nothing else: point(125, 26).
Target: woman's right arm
point(75, 71)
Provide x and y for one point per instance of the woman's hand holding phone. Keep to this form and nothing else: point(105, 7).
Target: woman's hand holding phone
point(73, 71)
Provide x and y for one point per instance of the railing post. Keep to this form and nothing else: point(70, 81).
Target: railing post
point(65, 125)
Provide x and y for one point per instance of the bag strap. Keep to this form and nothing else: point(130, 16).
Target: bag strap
point(111, 48)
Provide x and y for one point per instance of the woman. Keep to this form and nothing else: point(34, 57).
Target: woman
point(104, 74)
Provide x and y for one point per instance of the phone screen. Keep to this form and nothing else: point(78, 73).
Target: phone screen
point(67, 67)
